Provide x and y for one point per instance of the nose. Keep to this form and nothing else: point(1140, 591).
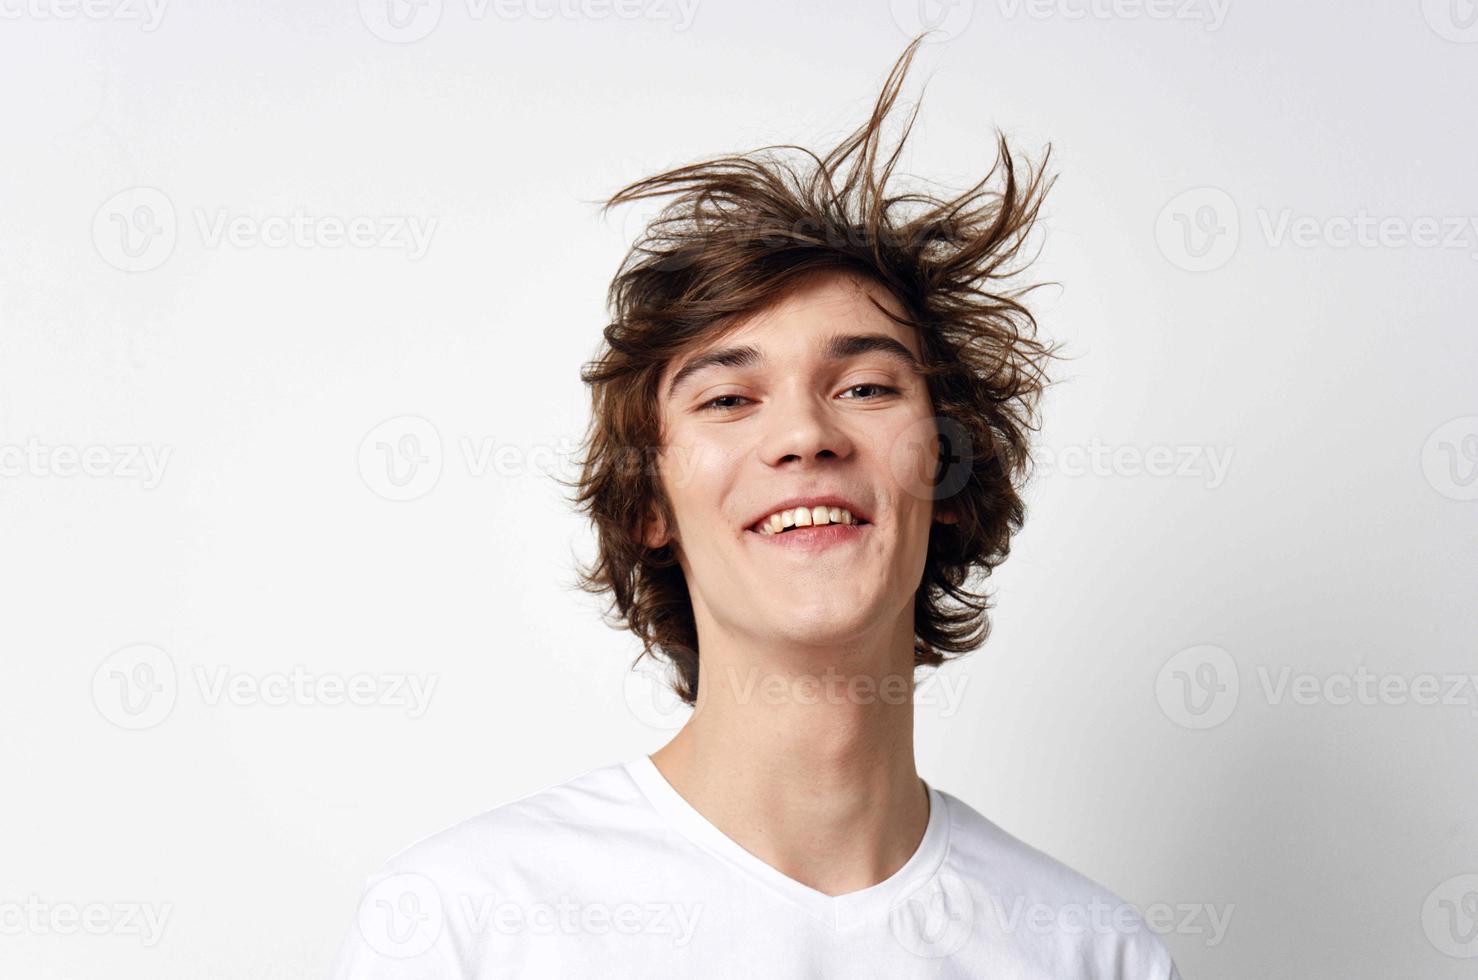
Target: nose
point(803, 429)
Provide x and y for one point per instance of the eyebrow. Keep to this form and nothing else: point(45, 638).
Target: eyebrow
point(839, 347)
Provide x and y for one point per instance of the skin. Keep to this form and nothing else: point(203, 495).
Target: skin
point(789, 751)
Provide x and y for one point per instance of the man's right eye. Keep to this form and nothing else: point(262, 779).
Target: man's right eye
point(712, 406)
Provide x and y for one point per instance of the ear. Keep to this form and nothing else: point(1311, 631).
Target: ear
point(654, 530)
point(944, 513)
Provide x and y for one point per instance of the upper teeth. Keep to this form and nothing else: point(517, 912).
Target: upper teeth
point(804, 517)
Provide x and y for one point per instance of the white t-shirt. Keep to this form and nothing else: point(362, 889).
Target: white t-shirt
point(613, 874)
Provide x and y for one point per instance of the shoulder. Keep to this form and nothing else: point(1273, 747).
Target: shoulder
point(594, 808)
point(1027, 896)
point(428, 910)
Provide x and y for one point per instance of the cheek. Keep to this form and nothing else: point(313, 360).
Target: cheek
point(697, 475)
point(913, 461)
point(689, 463)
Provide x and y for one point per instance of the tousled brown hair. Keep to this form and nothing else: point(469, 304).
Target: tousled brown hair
point(743, 230)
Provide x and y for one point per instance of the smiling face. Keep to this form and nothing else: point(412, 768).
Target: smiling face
point(813, 399)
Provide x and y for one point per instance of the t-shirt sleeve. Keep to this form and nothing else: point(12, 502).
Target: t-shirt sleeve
point(1166, 969)
point(398, 933)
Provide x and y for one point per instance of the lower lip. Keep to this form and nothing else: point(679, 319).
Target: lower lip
point(815, 537)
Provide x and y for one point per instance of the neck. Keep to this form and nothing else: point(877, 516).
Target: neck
point(810, 770)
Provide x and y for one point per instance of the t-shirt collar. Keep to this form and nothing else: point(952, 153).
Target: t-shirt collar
point(839, 911)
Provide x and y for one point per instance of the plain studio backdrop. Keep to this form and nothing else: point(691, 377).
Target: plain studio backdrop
point(293, 301)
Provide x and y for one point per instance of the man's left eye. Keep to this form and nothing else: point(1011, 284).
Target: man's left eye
point(881, 388)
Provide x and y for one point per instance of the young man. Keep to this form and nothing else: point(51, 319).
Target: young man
point(838, 391)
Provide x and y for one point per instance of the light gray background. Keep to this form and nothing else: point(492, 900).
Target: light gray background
point(1130, 714)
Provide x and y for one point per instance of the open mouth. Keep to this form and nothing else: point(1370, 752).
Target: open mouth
point(811, 529)
point(806, 518)
point(814, 538)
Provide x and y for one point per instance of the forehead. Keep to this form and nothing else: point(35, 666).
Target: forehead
point(807, 318)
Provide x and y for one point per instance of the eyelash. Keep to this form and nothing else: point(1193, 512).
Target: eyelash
point(709, 405)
